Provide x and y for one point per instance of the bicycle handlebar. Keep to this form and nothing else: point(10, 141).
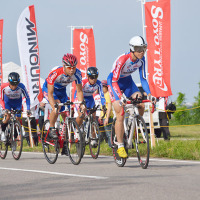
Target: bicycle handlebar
point(137, 101)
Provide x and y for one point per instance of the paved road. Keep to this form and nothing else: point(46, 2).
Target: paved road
point(33, 178)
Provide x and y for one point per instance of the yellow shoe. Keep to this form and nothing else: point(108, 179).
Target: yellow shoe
point(122, 152)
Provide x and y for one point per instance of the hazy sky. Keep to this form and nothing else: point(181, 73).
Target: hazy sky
point(115, 22)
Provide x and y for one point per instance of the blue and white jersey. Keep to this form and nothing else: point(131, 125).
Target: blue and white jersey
point(14, 97)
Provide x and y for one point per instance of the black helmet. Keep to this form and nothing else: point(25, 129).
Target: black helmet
point(92, 72)
point(14, 78)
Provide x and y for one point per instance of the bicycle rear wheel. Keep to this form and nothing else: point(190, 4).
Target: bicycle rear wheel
point(142, 142)
point(94, 143)
point(120, 162)
point(74, 142)
point(17, 140)
point(50, 147)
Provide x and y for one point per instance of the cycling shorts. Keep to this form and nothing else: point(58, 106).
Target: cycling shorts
point(15, 105)
point(126, 85)
point(59, 94)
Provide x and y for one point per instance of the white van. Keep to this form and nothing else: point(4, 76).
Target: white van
point(156, 122)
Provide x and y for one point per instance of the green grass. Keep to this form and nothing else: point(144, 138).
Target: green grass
point(184, 145)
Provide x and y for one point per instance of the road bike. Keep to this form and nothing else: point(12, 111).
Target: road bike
point(14, 137)
point(69, 134)
point(88, 127)
point(135, 132)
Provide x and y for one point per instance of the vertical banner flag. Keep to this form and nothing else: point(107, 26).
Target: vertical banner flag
point(158, 34)
point(29, 54)
point(84, 50)
point(1, 40)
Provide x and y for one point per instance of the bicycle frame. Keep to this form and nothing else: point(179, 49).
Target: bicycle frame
point(133, 112)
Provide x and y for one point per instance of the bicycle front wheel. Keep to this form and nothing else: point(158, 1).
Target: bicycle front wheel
point(94, 141)
point(74, 141)
point(17, 140)
point(50, 147)
point(142, 142)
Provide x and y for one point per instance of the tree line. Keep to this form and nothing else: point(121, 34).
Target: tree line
point(184, 115)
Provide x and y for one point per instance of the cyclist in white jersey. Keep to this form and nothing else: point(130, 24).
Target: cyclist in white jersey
point(120, 81)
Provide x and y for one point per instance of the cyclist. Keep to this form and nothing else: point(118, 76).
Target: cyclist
point(90, 85)
point(54, 88)
point(11, 98)
point(120, 81)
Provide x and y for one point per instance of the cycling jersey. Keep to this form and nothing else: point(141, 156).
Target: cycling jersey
point(12, 99)
point(120, 76)
point(88, 91)
point(60, 80)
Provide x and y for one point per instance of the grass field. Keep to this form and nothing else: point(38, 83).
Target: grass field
point(184, 145)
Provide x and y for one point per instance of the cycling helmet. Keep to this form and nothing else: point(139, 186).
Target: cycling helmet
point(138, 44)
point(92, 72)
point(104, 83)
point(14, 78)
point(69, 60)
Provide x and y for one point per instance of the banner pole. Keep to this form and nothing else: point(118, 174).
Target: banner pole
point(152, 136)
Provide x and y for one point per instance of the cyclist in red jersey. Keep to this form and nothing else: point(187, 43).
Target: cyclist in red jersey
point(120, 81)
point(55, 86)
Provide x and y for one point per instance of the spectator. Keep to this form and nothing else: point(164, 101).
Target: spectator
point(164, 117)
point(108, 118)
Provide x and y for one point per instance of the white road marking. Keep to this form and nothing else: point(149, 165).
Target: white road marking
point(54, 173)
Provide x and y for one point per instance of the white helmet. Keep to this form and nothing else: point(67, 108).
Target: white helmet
point(137, 41)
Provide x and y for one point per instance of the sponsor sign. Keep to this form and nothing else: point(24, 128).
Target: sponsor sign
point(84, 50)
point(158, 34)
point(29, 54)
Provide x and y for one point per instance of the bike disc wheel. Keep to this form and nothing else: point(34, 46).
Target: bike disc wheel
point(17, 140)
point(142, 142)
point(95, 148)
point(74, 142)
point(120, 162)
point(50, 147)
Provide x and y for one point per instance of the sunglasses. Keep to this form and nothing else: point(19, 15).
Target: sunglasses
point(69, 66)
point(140, 49)
point(93, 77)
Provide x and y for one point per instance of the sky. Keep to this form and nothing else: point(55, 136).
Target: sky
point(115, 22)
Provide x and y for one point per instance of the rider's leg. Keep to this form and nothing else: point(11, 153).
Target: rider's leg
point(53, 118)
point(119, 126)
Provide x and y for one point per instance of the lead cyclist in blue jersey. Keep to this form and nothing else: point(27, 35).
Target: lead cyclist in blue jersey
point(120, 81)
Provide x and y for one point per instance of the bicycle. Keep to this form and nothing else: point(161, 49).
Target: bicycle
point(87, 127)
point(135, 132)
point(14, 137)
point(69, 133)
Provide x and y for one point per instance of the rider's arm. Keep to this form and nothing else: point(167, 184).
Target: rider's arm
point(143, 79)
point(50, 95)
point(114, 85)
point(103, 101)
point(2, 95)
point(79, 92)
point(26, 95)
